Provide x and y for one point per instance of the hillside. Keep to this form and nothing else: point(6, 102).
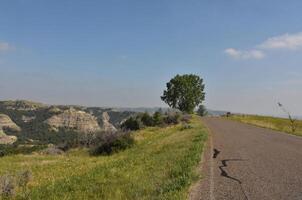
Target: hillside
point(161, 165)
point(6, 124)
point(32, 121)
point(76, 120)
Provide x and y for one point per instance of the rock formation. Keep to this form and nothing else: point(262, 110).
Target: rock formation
point(54, 110)
point(107, 126)
point(22, 105)
point(5, 139)
point(7, 123)
point(79, 121)
point(28, 119)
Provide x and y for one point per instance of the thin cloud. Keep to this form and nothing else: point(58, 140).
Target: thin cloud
point(4, 47)
point(286, 41)
point(244, 55)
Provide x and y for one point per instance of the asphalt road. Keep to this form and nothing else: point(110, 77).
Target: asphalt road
point(248, 162)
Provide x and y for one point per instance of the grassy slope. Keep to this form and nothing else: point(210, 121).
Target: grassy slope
point(160, 166)
point(279, 124)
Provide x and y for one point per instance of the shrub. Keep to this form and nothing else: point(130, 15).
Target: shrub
point(132, 124)
point(185, 126)
point(53, 150)
point(147, 120)
point(186, 118)
point(172, 118)
point(158, 119)
point(23, 178)
point(111, 143)
point(202, 111)
point(65, 146)
point(19, 149)
point(7, 186)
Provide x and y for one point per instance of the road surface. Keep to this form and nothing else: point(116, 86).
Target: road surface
point(247, 162)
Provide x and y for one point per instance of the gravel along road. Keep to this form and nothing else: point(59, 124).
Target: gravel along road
point(247, 162)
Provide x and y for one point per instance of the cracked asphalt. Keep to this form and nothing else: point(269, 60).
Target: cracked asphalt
point(247, 162)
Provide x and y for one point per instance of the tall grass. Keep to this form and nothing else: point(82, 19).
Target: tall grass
point(275, 123)
point(161, 165)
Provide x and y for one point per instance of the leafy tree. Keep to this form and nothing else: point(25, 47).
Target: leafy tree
point(147, 120)
point(184, 92)
point(202, 111)
point(132, 124)
point(158, 119)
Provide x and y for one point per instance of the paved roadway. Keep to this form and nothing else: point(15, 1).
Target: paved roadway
point(247, 162)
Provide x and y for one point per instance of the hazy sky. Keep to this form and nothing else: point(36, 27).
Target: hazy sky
point(121, 53)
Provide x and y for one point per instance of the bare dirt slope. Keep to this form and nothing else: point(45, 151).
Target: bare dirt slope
point(248, 162)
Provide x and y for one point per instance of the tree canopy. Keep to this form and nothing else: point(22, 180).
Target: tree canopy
point(184, 92)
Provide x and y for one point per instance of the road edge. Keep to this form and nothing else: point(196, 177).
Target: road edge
point(203, 188)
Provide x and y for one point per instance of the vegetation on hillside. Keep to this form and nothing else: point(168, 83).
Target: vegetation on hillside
point(143, 120)
point(160, 165)
point(39, 132)
point(275, 123)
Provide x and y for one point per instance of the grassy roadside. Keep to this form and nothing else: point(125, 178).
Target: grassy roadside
point(275, 123)
point(160, 166)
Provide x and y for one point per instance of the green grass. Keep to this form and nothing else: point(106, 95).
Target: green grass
point(161, 165)
point(275, 123)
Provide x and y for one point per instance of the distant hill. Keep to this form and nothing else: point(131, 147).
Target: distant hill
point(55, 123)
point(216, 112)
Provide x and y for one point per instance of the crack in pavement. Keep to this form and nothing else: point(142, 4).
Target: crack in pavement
point(225, 174)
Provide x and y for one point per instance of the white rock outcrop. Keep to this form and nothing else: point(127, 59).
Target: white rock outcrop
point(107, 126)
point(79, 121)
point(7, 123)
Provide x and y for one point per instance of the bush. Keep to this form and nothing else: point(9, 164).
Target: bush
point(185, 126)
point(202, 111)
point(172, 118)
point(147, 120)
point(186, 118)
point(19, 149)
point(65, 146)
point(132, 124)
point(7, 186)
point(111, 143)
point(158, 119)
point(10, 184)
point(23, 178)
point(53, 150)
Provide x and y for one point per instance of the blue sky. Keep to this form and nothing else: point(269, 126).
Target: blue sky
point(121, 53)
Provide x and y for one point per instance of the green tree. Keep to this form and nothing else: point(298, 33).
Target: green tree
point(202, 111)
point(184, 92)
point(132, 124)
point(158, 119)
point(147, 120)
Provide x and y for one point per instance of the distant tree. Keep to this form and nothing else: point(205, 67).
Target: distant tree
point(202, 111)
point(147, 120)
point(132, 124)
point(292, 120)
point(158, 119)
point(184, 92)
